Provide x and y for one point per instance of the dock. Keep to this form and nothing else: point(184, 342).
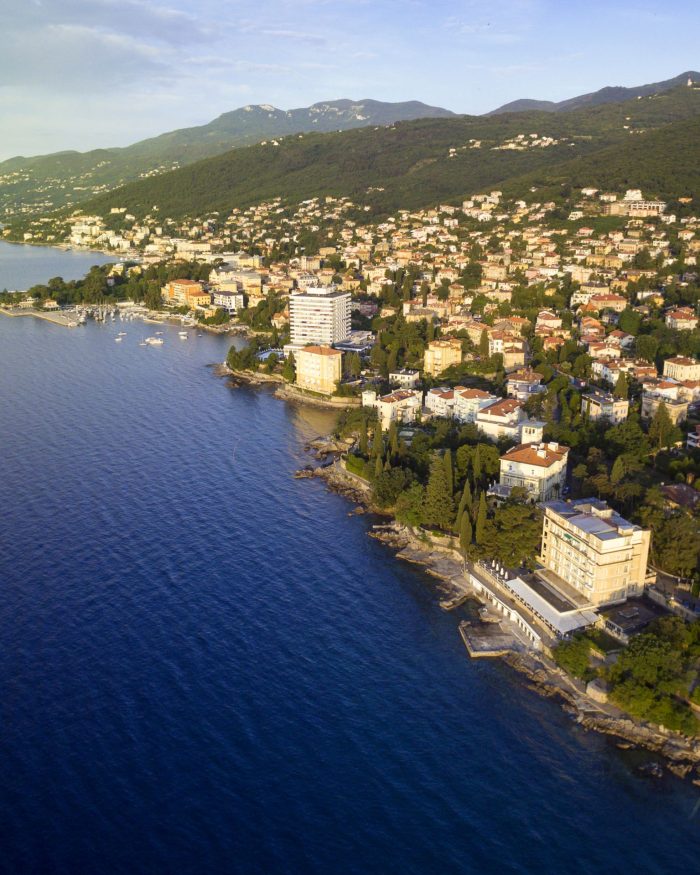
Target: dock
point(488, 640)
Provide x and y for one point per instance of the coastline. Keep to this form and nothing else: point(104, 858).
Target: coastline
point(681, 755)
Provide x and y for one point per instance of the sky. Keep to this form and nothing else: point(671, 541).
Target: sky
point(83, 74)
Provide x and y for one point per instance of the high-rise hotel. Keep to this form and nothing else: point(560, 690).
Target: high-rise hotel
point(319, 316)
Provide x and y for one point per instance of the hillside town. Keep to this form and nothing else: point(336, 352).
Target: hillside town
point(521, 377)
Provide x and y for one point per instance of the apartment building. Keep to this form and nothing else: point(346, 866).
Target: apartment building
point(318, 368)
point(586, 545)
point(442, 354)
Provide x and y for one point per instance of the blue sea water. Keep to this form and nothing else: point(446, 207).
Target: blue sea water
point(25, 266)
point(206, 666)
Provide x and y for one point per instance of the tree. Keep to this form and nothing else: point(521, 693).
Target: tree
point(484, 344)
point(289, 370)
point(647, 346)
point(447, 462)
point(621, 389)
point(409, 505)
point(438, 506)
point(465, 533)
point(481, 519)
point(363, 437)
point(662, 431)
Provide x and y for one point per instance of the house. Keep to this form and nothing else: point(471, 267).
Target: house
point(405, 378)
point(440, 401)
point(403, 405)
point(522, 384)
point(682, 319)
point(539, 468)
point(318, 368)
point(468, 402)
point(506, 418)
point(676, 408)
point(197, 299)
point(681, 368)
point(442, 354)
point(598, 405)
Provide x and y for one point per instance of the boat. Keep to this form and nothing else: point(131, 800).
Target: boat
point(182, 335)
point(154, 341)
point(118, 339)
point(143, 343)
point(121, 334)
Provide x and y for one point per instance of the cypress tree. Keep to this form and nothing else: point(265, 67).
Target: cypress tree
point(484, 344)
point(378, 466)
point(465, 533)
point(447, 462)
point(621, 389)
point(363, 437)
point(480, 530)
point(476, 465)
point(377, 442)
point(393, 438)
point(438, 506)
point(465, 502)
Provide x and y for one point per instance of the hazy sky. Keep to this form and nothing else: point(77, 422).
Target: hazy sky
point(78, 74)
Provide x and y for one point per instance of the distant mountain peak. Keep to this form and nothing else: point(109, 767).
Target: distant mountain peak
point(608, 94)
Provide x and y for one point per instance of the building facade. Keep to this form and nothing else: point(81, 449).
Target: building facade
point(318, 368)
point(594, 550)
point(319, 316)
point(442, 354)
point(540, 469)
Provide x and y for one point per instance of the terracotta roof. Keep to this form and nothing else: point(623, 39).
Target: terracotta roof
point(321, 350)
point(540, 454)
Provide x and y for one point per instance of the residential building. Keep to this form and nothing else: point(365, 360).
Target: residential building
point(539, 468)
point(522, 384)
point(403, 405)
point(232, 302)
point(440, 401)
point(681, 368)
point(676, 408)
point(468, 402)
point(319, 316)
point(176, 291)
point(506, 418)
point(318, 368)
point(442, 354)
point(588, 546)
point(682, 319)
point(597, 405)
point(405, 378)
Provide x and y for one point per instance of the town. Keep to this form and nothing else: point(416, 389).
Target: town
point(520, 381)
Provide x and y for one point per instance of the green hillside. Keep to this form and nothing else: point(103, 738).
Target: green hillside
point(45, 182)
point(664, 163)
point(409, 165)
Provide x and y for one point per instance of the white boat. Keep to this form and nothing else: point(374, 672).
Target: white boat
point(121, 334)
point(182, 335)
point(118, 339)
point(143, 343)
point(154, 341)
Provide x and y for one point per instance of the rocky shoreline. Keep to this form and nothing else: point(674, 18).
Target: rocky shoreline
point(680, 755)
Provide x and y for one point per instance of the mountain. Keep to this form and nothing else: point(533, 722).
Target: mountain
point(418, 163)
point(45, 182)
point(611, 94)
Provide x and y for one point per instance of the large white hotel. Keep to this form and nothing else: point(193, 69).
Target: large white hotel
point(319, 316)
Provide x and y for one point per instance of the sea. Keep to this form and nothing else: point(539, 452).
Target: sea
point(207, 666)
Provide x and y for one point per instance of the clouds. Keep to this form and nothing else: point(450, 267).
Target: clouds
point(87, 73)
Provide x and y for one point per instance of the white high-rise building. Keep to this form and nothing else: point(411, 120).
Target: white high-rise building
point(320, 316)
